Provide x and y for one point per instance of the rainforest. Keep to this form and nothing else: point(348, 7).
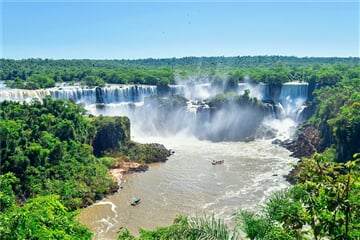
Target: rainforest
point(80, 138)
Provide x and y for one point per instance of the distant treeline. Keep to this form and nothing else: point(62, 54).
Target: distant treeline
point(43, 73)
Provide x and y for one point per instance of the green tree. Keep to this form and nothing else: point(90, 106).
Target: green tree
point(43, 217)
point(187, 228)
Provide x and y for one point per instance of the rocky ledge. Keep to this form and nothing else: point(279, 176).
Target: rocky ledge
point(145, 153)
point(159, 153)
point(305, 144)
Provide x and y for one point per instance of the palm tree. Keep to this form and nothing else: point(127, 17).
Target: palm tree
point(188, 228)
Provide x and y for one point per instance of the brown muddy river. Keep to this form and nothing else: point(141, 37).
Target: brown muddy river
point(188, 184)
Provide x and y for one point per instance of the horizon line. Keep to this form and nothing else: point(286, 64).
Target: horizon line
point(166, 58)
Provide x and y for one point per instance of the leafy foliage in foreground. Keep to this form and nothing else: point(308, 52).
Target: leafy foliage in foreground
point(43, 217)
point(202, 228)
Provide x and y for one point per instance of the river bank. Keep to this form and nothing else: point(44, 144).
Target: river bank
point(117, 172)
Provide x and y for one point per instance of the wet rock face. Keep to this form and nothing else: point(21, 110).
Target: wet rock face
point(135, 167)
point(156, 152)
point(308, 141)
point(161, 148)
point(111, 133)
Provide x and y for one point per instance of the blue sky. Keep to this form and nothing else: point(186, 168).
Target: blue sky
point(129, 30)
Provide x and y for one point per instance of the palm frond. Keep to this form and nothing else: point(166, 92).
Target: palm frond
point(209, 228)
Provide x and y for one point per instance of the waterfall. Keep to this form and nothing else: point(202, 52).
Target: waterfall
point(289, 107)
point(293, 90)
point(293, 95)
point(108, 94)
point(260, 91)
point(177, 89)
point(78, 94)
point(194, 91)
point(299, 113)
point(129, 93)
point(206, 90)
point(20, 95)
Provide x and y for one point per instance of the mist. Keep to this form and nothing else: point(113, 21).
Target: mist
point(188, 109)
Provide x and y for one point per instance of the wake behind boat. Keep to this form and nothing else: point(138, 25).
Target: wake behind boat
point(135, 201)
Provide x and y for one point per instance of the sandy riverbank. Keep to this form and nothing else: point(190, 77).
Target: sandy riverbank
point(125, 168)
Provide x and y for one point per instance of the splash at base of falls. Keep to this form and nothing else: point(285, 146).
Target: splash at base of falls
point(283, 129)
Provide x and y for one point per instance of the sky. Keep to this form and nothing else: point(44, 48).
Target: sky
point(166, 29)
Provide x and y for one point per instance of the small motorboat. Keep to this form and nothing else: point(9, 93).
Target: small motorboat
point(217, 162)
point(135, 201)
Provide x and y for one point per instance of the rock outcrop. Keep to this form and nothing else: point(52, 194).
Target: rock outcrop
point(111, 134)
point(307, 142)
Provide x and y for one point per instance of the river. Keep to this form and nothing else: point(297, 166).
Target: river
point(188, 184)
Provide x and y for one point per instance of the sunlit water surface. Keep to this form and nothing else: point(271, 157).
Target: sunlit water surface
point(188, 184)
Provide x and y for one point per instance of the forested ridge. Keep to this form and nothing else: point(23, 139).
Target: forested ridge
point(190, 62)
point(44, 73)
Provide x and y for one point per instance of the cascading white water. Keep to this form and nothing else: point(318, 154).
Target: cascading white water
point(195, 91)
point(292, 98)
point(130, 93)
point(108, 94)
point(78, 94)
point(3, 86)
point(206, 90)
point(260, 91)
point(188, 184)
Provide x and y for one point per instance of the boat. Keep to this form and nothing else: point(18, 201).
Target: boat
point(135, 201)
point(217, 162)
